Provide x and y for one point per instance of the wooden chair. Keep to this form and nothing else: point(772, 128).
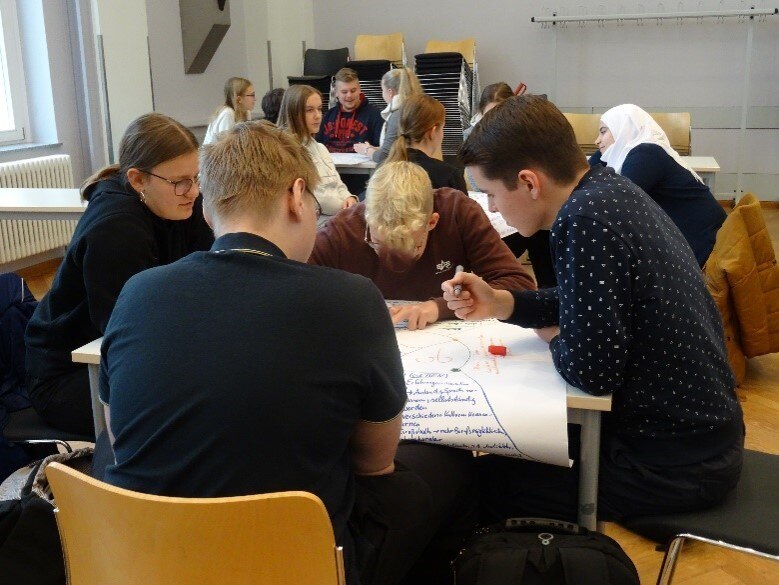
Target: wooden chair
point(117, 536)
point(677, 126)
point(585, 127)
point(466, 47)
point(378, 47)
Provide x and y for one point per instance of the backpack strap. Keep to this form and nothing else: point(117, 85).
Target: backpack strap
point(502, 566)
point(580, 565)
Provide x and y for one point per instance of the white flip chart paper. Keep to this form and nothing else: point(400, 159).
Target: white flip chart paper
point(461, 395)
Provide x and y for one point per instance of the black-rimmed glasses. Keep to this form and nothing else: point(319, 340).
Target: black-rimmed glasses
point(180, 187)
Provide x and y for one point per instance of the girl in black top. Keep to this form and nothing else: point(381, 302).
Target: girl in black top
point(145, 211)
point(420, 134)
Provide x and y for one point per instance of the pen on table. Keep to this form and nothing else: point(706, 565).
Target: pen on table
point(458, 288)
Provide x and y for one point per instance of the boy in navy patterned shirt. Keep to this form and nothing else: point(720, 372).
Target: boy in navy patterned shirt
point(630, 315)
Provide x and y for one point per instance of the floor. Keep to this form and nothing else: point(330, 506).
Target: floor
point(699, 563)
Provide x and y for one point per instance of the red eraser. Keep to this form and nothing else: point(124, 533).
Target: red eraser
point(497, 349)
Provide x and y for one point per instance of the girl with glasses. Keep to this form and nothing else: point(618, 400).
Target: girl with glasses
point(238, 105)
point(143, 212)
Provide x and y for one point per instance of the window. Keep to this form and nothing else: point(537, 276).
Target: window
point(13, 98)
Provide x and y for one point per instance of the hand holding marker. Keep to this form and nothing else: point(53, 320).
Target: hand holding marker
point(458, 288)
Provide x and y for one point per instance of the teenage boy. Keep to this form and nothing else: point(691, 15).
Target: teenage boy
point(353, 119)
point(221, 376)
point(407, 238)
point(630, 315)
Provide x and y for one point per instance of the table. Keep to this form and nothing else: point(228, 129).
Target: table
point(583, 409)
point(351, 163)
point(706, 167)
point(41, 204)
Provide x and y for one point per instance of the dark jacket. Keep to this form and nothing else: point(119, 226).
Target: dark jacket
point(118, 236)
point(340, 130)
point(688, 202)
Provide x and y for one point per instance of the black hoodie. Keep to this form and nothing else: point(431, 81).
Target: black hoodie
point(117, 237)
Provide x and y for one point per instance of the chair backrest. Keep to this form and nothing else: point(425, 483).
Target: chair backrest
point(585, 127)
point(390, 47)
point(113, 535)
point(677, 126)
point(324, 61)
point(466, 47)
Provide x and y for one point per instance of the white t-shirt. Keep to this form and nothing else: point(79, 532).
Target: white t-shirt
point(224, 120)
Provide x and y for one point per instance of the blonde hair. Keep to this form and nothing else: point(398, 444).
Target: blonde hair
point(403, 81)
point(418, 114)
point(346, 75)
point(148, 141)
point(235, 87)
point(248, 169)
point(399, 202)
point(292, 112)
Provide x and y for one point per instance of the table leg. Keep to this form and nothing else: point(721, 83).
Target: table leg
point(589, 460)
point(98, 414)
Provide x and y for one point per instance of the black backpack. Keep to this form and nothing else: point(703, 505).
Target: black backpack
point(539, 551)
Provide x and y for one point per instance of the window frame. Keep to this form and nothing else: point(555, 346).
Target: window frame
point(12, 78)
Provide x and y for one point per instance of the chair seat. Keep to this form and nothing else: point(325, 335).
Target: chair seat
point(749, 516)
point(306, 78)
point(27, 425)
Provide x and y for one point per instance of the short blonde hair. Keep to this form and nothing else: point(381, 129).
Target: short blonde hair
point(346, 75)
point(399, 202)
point(248, 169)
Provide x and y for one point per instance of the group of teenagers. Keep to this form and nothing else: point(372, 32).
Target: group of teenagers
point(240, 291)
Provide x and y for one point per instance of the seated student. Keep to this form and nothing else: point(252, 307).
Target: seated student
point(353, 119)
point(210, 394)
point(408, 238)
point(421, 133)
point(632, 143)
point(301, 114)
point(396, 85)
point(239, 103)
point(631, 315)
point(271, 103)
point(537, 245)
point(143, 212)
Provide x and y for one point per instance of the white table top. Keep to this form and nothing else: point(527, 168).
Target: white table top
point(31, 203)
point(90, 354)
point(352, 160)
point(702, 164)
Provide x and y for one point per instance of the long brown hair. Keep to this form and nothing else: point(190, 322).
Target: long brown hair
point(495, 92)
point(418, 114)
point(235, 87)
point(148, 141)
point(292, 112)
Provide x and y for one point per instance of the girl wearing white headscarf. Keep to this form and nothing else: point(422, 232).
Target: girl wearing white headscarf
point(634, 145)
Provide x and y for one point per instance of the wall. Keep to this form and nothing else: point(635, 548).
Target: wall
point(696, 67)
point(192, 99)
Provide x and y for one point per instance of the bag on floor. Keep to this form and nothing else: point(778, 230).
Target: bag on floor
point(30, 549)
point(539, 551)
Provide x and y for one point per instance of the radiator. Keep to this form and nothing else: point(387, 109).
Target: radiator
point(26, 242)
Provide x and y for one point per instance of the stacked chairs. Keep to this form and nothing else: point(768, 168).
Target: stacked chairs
point(370, 73)
point(448, 78)
point(467, 48)
point(374, 47)
point(319, 66)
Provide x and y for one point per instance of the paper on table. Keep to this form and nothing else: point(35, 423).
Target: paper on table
point(496, 219)
point(462, 396)
point(349, 158)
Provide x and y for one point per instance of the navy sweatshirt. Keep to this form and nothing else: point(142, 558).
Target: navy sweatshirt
point(637, 320)
point(688, 202)
point(116, 238)
point(339, 130)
